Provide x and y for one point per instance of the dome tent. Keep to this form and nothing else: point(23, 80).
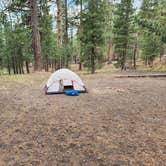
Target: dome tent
point(63, 80)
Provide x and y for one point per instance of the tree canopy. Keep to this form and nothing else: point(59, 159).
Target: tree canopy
point(54, 34)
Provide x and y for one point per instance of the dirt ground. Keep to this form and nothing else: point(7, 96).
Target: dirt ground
point(120, 122)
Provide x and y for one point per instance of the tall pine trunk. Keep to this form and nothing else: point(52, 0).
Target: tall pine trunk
point(60, 35)
point(66, 35)
point(8, 65)
point(80, 62)
point(123, 59)
point(92, 60)
point(109, 48)
point(13, 65)
point(35, 35)
point(135, 54)
point(27, 66)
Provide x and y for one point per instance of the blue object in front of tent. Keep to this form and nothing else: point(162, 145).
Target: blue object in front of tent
point(72, 93)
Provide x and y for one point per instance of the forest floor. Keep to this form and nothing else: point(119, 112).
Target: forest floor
point(121, 121)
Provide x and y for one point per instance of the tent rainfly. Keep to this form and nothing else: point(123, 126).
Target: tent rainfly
point(63, 80)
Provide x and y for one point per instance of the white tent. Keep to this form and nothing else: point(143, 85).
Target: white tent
point(62, 80)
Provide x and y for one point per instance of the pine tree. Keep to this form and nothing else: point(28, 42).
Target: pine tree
point(59, 31)
point(66, 38)
point(150, 43)
point(46, 36)
point(92, 32)
point(2, 53)
point(123, 29)
point(108, 28)
point(28, 9)
point(35, 34)
point(81, 5)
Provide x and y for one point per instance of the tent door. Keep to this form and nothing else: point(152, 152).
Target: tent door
point(68, 85)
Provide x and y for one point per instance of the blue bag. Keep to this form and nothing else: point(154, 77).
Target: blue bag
point(72, 93)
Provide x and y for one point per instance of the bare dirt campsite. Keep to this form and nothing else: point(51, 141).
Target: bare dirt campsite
point(121, 121)
point(118, 48)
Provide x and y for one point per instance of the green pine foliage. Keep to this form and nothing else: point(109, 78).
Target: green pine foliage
point(47, 41)
point(151, 42)
point(2, 46)
point(151, 46)
point(123, 30)
point(92, 34)
point(152, 16)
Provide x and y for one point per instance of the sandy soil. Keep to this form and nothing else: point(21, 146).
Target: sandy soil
point(120, 122)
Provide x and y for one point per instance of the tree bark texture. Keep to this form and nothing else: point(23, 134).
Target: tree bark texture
point(81, 10)
point(66, 35)
point(92, 60)
point(35, 35)
point(60, 34)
